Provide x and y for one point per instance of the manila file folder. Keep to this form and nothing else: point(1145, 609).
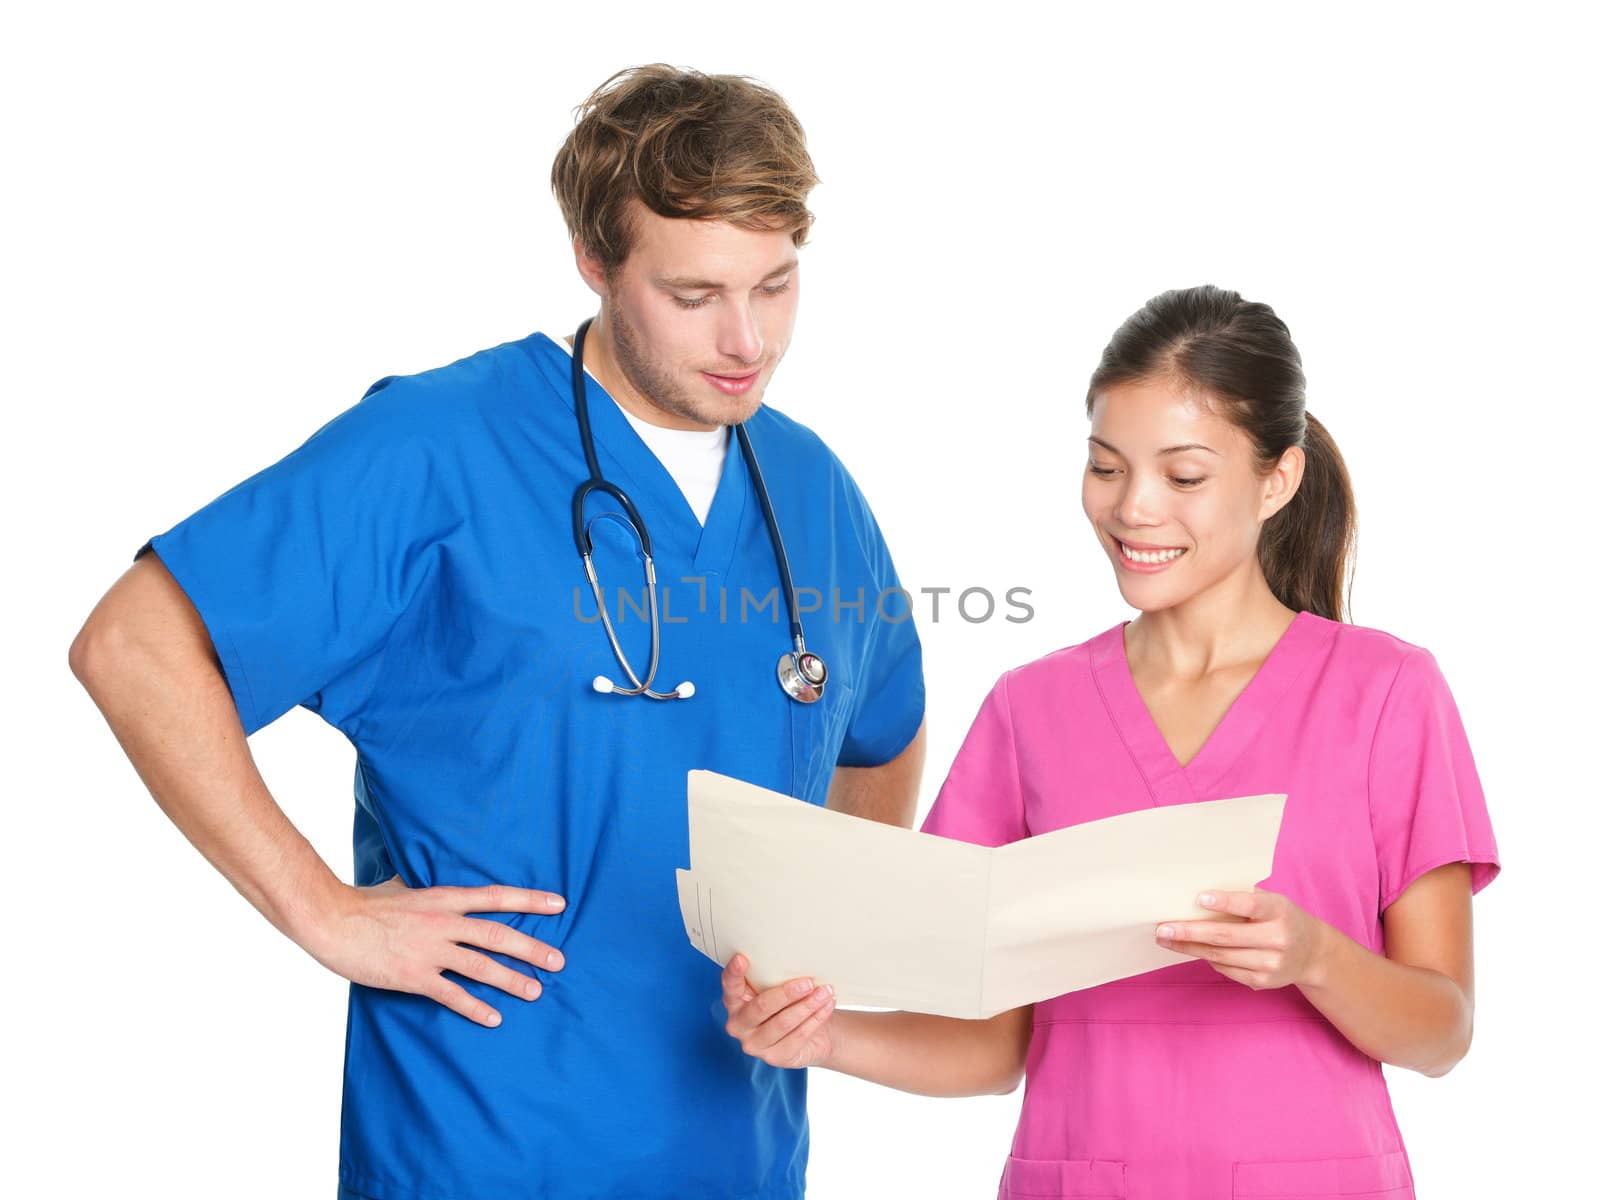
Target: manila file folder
point(894, 918)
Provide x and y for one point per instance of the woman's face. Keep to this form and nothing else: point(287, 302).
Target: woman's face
point(1177, 485)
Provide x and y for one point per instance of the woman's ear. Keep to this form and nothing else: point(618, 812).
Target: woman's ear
point(1283, 481)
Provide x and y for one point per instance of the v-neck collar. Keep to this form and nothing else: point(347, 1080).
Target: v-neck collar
point(1169, 781)
point(630, 464)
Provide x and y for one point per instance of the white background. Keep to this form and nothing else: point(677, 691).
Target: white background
point(223, 222)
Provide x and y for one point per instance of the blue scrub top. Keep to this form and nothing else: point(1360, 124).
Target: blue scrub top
point(409, 574)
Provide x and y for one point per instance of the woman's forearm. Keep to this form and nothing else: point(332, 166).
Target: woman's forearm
point(932, 1056)
point(1410, 1016)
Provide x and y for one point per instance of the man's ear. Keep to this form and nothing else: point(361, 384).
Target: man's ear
point(590, 269)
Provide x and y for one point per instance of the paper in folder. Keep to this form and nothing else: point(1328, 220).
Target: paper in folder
point(893, 918)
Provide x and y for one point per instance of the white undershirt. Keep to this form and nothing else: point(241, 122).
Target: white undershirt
point(693, 457)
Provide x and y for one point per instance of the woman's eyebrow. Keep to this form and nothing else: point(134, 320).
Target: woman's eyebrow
point(1168, 450)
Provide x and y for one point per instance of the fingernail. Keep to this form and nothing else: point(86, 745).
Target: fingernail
point(554, 960)
point(494, 1019)
point(1164, 931)
point(1207, 899)
point(533, 989)
point(825, 992)
point(557, 903)
point(800, 987)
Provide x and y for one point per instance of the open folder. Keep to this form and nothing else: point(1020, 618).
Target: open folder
point(893, 918)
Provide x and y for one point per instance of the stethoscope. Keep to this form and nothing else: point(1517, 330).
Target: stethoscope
point(801, 673)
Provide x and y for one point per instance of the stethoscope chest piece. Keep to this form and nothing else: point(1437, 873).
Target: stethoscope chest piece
point(803, 675)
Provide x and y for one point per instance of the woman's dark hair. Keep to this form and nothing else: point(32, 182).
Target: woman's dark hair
point(1238, 354)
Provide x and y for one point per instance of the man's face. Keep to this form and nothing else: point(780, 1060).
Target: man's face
point(701, 313)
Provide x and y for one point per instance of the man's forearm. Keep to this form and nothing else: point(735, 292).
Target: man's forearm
point(886, 793)
point(170, 708)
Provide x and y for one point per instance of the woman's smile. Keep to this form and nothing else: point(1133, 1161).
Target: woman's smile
point(1146, 560)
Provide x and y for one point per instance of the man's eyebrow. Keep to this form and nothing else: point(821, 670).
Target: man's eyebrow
point(711, 285)
point(1168, 450)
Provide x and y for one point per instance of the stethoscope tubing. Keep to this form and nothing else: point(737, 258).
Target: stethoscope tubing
point(794, 669)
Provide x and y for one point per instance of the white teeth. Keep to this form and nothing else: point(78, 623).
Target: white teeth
point(1151, 556)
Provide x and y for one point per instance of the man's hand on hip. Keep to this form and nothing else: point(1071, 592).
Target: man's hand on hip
point(400, 938)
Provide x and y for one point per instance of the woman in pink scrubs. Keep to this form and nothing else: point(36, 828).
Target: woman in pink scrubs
point(1250, 1067)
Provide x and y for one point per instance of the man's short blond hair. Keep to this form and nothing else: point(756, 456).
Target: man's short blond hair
point(684, 144)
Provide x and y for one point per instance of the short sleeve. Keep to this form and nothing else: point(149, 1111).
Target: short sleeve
point(889, 696)
point(300, 572)
point(1427, 805)
point(981, 798)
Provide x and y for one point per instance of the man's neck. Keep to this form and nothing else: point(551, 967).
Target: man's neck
point(600, 359)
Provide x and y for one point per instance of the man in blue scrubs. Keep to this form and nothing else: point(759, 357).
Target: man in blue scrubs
point(527, 1018)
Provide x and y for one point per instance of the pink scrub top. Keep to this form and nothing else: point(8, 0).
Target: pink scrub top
point(1182, 1084)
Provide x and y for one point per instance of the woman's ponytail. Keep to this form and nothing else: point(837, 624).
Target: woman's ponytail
point(1306, 545)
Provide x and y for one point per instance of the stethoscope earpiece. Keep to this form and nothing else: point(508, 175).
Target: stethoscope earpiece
point(605, 687)
point(801, 673)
